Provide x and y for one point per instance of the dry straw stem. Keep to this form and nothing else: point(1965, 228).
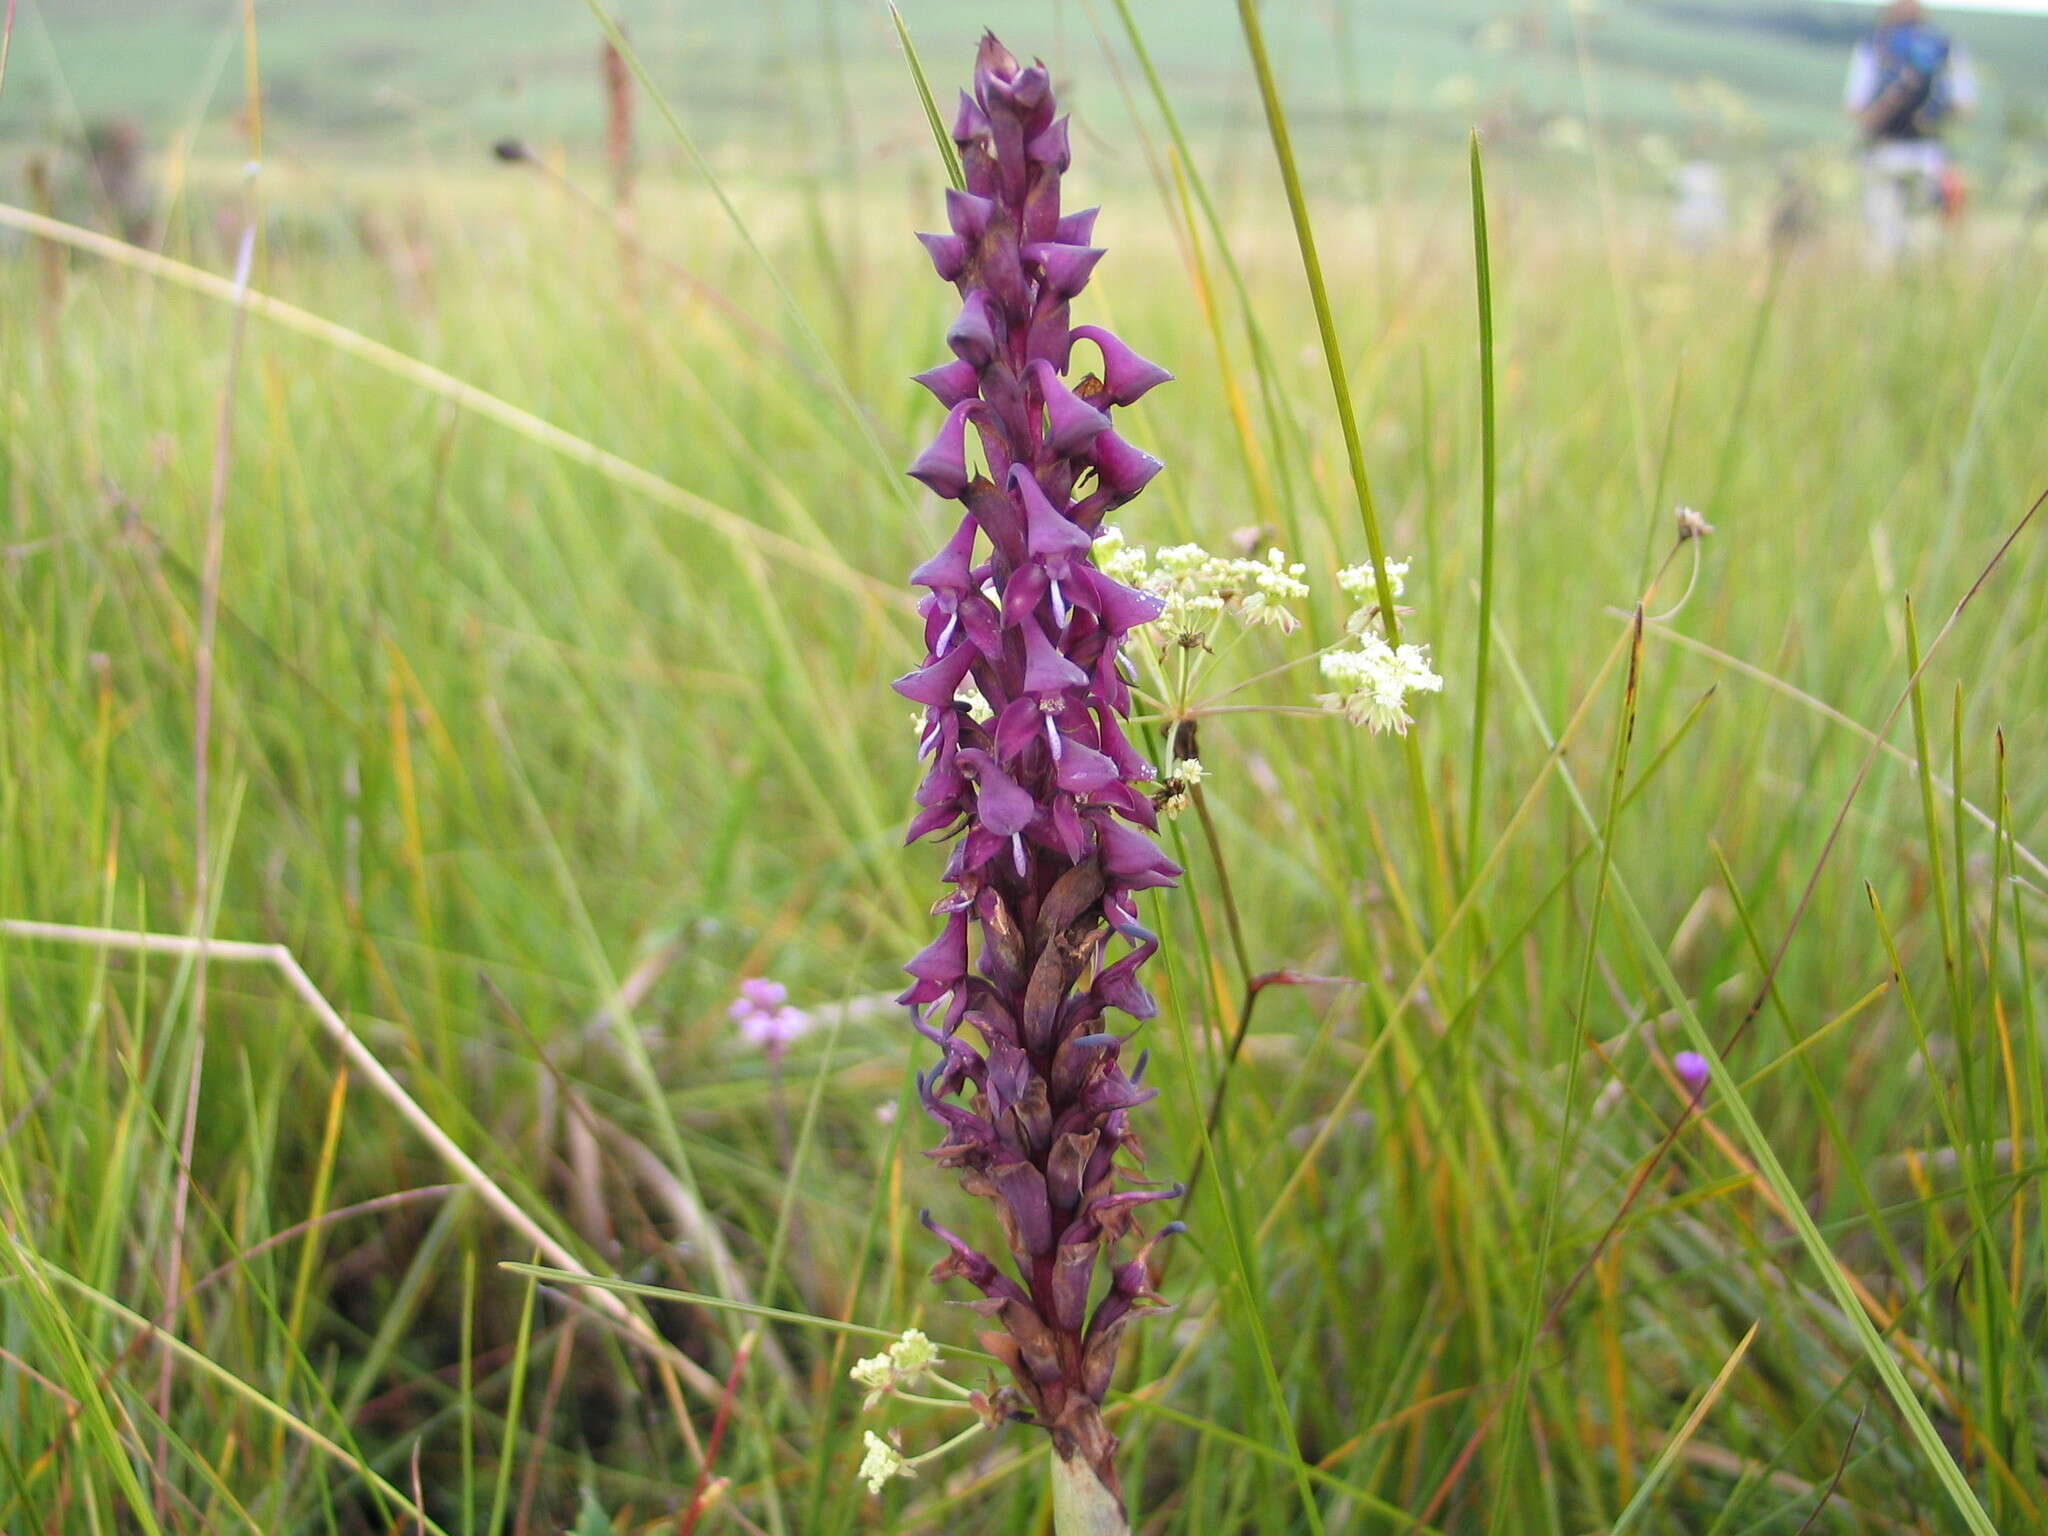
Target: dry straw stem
point(480, 402)
point(211, 572)
point(364, 1060)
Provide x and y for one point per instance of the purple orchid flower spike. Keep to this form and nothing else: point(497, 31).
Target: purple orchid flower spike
point(1035, 1104)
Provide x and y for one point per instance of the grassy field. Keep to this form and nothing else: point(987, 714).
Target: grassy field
point(559, 584)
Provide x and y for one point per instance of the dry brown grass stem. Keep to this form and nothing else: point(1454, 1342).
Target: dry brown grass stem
point(363, 1060)
point(210, 573)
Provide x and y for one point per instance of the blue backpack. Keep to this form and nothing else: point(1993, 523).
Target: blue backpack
point(1912, 70)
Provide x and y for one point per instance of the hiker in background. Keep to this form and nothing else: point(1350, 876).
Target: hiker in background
point(1700, 216)
point(1907, 81)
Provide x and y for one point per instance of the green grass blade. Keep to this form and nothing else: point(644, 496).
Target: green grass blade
point(1421, 808)
point(949, 153)
point(1733, 1103)
point(501, 1486)
point(1482, 263)
point(1504, 1491)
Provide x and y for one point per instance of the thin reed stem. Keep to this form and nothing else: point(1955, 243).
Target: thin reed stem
point(1421, 807)
point(1482, 266)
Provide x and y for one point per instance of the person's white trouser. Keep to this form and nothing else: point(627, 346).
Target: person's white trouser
point(1900, 177)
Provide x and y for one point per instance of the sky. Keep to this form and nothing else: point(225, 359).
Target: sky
point(2013, 7)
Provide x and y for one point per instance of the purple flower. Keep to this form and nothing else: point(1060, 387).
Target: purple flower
point(1041, 799)
point(759, 994)
point(765, 1019)
point(1693, 1071)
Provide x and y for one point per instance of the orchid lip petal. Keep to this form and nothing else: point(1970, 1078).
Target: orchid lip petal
point(1072, 424)
point(1046, 671)
point(1076, 228)
point(1084, 771)
point(937, 680)
point(1066, 267)
point(1020, 598)
point(1014, 728)
point(1002, 805)
point(969, 215)
point(943, 465)
point(952, 382)
point(1123, 470)
point(972, 335)
point(1125, 374)
point(1123, 608)
point(948, 254)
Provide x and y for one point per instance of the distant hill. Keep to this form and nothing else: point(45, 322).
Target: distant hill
point(386, 78)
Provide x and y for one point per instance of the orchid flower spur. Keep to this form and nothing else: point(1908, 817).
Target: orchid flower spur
point(1037, 784)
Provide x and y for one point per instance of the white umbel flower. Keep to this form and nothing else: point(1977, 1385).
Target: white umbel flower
point(1374, 683)
point(1374, 679)
point(902, 1364)
point(1361, 585)
point(1118, 560)
point(1198, 588)
point(913, 1353)
point(874, 1371)
point(882, 1463)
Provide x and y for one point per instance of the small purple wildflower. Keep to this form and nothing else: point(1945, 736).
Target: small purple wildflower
point(759, 995)
point(765, 1019)
point(1042, 794)
point(1693, 1071)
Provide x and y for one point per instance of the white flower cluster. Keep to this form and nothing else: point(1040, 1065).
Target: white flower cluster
point(1374, 682)
point(882, 1462)
point(1199, 588)
point(911, 1360)
point(1361, 585)
point(902, 1364)
point(1374, 678)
